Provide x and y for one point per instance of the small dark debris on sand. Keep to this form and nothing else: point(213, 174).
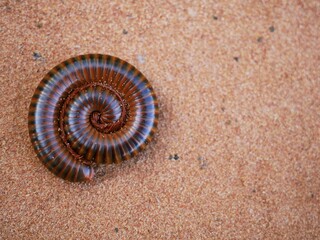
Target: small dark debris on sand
point(174, 157)
point(202, 162)
point(37, 56)
point(271, 29)
point(39, 25)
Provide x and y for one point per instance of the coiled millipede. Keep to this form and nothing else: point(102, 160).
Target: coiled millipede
point(89, 110)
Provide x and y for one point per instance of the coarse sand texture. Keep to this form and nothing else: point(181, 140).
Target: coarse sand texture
point(237, 150)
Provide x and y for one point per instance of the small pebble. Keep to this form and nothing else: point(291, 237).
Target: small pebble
point(141, 59)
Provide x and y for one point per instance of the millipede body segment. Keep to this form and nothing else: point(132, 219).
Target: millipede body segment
point(90, 110)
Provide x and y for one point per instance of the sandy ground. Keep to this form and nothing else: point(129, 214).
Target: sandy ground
point(239, 89)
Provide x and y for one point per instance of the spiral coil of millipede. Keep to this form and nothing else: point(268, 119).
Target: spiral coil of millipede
point(89, 110)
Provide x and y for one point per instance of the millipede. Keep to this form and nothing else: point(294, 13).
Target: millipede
point(91, 110)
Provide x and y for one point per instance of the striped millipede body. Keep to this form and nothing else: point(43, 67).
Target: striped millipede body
point(89, 110)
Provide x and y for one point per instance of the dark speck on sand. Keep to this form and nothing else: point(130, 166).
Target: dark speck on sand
point(174, 157)
point(271, 29)
point(36, 55)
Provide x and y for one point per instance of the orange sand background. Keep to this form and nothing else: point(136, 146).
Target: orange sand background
point(240, 106)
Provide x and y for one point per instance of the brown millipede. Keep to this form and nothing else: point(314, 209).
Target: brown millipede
point(91, 109)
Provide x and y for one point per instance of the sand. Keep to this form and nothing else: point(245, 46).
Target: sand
point(239, 89)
